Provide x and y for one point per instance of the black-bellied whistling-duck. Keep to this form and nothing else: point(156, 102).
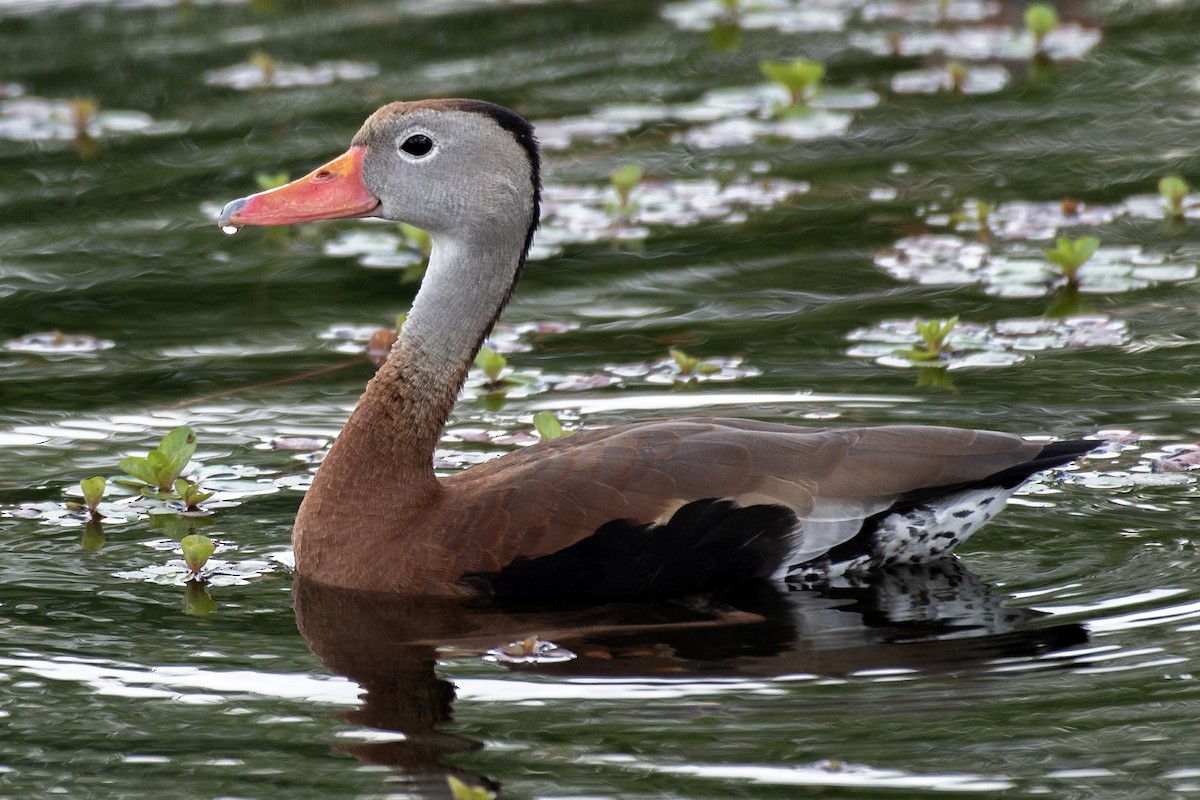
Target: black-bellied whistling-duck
point(656, 507)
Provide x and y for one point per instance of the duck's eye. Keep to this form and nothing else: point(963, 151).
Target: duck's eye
point(417, 145)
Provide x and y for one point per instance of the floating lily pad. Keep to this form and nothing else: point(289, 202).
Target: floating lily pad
point(981, 79)
point(1152, 207)
point(785, 16)
point(529, 651)
point(1023, 271)
point(1025, 220)
point(217, 572)
point(265, 73)
point(930, 11)
point(40, 119)
point(723, 117)
point(1000, 344)
point(57, 343)
point(1069, 42)
point(574, 214)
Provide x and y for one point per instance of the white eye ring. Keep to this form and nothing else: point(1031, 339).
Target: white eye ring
point(415, 146)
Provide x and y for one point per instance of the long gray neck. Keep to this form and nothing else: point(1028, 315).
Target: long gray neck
point(407, 403)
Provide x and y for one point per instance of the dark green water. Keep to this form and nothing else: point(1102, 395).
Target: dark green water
point(1059, 662)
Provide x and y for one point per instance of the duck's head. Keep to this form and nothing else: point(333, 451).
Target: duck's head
point(455, 167)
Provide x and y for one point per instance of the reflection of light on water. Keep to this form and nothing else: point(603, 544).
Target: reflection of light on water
point(187, 684)
point(820, 774)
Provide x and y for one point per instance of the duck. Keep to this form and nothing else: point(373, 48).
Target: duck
point(641, 509)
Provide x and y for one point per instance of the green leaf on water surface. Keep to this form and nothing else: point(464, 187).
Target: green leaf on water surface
point(197, 548)
point(547, 425)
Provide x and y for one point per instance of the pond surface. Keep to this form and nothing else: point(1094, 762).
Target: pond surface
point(795, 253)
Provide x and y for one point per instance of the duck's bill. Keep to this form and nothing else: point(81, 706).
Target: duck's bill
point(334, 191)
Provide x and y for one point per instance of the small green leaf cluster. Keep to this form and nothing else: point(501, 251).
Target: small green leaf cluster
point(800, 77)
point(493, 365)
point(162, 466)
point(933, 335)
point(624, 180)
point(1071, 254)
point(1173, 189)
point(460, 790)
point(689, 365)
point(1040, 20)
point(548, 426)
point(157, 474)
point(93, 492)
point(270, 180)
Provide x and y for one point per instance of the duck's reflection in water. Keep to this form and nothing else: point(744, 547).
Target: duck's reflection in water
point(931, 618)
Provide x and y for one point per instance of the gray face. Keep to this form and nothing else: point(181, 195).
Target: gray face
point(454, 172)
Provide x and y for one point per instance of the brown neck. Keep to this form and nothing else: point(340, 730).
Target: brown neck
point(385, 452)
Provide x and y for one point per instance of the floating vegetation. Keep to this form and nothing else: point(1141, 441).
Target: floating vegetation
point(953, 77)
point(800, 78)
point(720, 118)
point(34, 119)
point(1019, 219)
point(57, 343)
point(679, 366)
point(945, 260)
point(1173, 190)
point(932, 346)
point(492, 364)
point(623, 181)
point(529, 651)
point(744, 115)
point(971, 344)
point(548, 425)
point(1180, 458)
point(197, 548)
point(1069, 255)
point(575, 214)
point(217, 572)
point(1175, 201)
point(785, 16)
point(1067, 42)
point(460, 790)
point(261, 71)
point(1041, 20)
point(927, 12)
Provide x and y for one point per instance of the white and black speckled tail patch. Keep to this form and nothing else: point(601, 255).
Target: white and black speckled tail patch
point(911, 534)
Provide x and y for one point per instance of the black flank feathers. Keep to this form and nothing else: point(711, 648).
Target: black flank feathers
point(707, 544)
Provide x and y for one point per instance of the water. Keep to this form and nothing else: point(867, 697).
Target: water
point(1057, 658)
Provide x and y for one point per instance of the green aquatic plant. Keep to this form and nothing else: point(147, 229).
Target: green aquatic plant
point(266, 64)
point(548, 426)
point(800, 77)
point(1071, 254)
point(158, 470)
point(933, 335)
point(690, 366)
point(460, 790)
point(191, 494)
point(93, 492)
point(958, 72)
point(1040, 20)
point(493, 365)
point(416, 238)
point(83, 115)
point(197, 549)
point(624, 180)
point(270, 180)
point(1173, 189)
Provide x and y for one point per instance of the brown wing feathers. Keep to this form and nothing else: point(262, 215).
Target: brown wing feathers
point(634, 509)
